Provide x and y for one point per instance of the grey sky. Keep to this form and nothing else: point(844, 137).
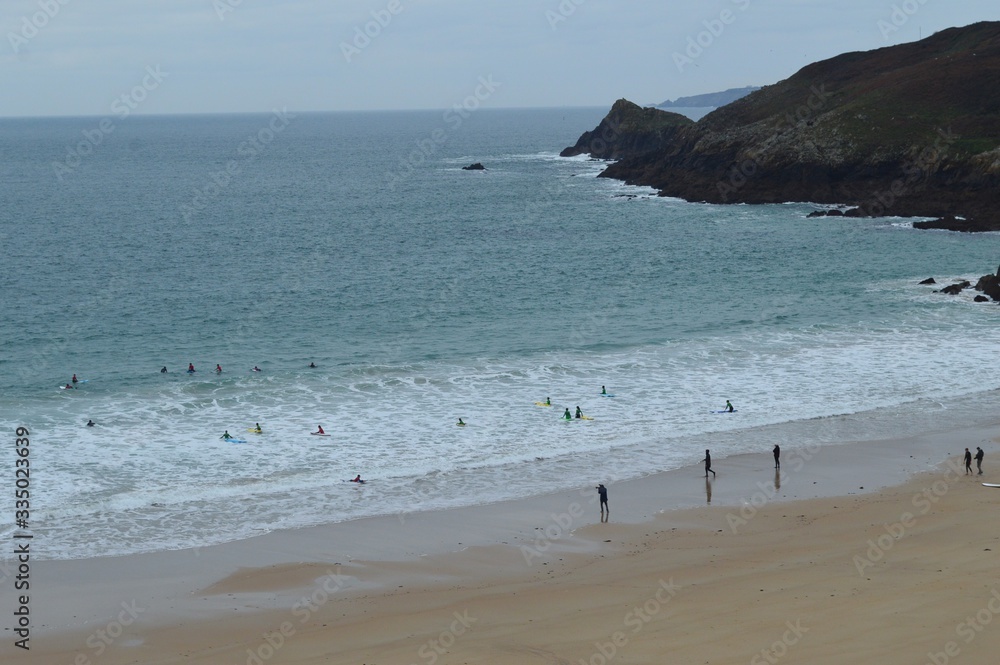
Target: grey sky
point(255, 55)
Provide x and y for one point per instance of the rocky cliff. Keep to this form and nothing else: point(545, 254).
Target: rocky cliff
point(909, 130)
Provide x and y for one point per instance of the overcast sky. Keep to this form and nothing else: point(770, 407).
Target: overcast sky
point(77, 57)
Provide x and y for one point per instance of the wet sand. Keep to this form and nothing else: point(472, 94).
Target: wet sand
point(866, 550)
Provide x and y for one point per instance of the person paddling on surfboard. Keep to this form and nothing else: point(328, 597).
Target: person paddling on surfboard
point(319, 430)
point(460, 422)
point(256, 369)
point(357, 479)
point(90, 423)
point(729, 407)
point(69, 386)
point(568, 415)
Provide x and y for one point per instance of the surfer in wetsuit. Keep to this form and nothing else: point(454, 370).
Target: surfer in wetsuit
point(70, 385)
point(255, 369)
point(460, 422)
point(548, 402)
point(979, 459)
point(218, 369)
point(90, 423)
point(602, 491)
point(708, 464)
point(579, 413)
point(226, 436)
point(777, 456)
point(568, 415)
point(312, 365)
point(968, 462)
point(319, 430)
point(190, 368)
point(729, 407)
point(257, 429)
point(357, 479)
point(603, 391)
point(163, 370)
point(74, 378)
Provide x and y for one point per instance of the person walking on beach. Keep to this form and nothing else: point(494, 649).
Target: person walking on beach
point(979, 459)
point(602, 492)
point(708, 463)
point(968, 462)
point(777, 457)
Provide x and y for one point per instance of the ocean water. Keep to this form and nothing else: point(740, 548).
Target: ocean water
point(425, 293)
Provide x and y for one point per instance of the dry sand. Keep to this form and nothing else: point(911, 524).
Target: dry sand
point(908, 574)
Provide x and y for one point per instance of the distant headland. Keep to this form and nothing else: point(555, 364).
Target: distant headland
point(911, 130)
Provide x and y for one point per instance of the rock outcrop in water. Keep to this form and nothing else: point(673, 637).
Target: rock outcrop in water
point(909, 130)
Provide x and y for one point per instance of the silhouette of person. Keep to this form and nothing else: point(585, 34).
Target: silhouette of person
point(708, 463)
point(979, 459)
point(777, 457)
point(968, 462)
point(602, 491)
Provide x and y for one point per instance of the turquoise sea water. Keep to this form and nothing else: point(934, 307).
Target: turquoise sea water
point(425, 293)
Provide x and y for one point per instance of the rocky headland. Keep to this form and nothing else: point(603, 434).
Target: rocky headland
point(911, 130)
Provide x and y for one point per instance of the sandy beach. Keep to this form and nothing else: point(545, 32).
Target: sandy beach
point(868, 551)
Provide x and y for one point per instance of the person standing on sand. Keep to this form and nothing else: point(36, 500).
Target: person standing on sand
point(968, 462)
point(979, 459)
point(777, 457)
point(602, 492)
point(708, 464)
